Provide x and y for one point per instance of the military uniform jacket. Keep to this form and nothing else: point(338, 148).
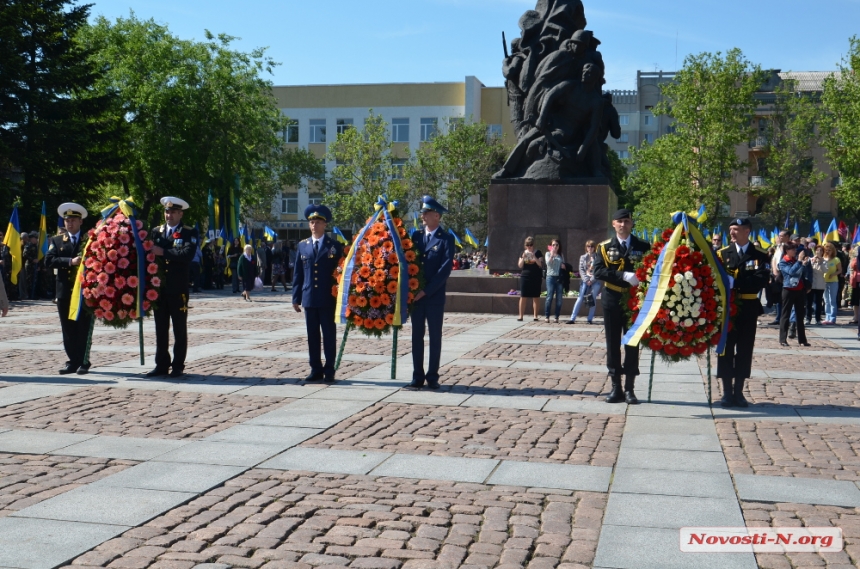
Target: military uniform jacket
point(437, 257)
point(59, 256)
point(313, 276)
point(751, 272)
point(179, 249)
point(610, 265)
point(30, 253)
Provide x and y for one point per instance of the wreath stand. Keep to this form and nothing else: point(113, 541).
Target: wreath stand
point(393, 350)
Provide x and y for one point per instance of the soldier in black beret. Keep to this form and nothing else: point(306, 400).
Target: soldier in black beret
point(614, 264)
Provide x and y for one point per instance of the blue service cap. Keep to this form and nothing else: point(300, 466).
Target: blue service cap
point(430, 204)
point(741, 222)
point(318, 212)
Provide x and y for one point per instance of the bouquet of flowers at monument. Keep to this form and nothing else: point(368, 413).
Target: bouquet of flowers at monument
point(118, 280)
point(682, 304)
point(379, 275)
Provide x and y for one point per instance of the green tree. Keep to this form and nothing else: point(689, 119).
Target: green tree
point(56, 133)
point(364, 170)
point(790, 174)
point(710, 102)
point(197, 113)
point(841, 127)
point(456, 169)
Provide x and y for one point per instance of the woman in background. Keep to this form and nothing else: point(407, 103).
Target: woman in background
point(247, 269)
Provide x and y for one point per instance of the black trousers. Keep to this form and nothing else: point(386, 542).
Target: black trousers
point(316, 320)
point(75, 332)
point(171, 308)
point(431, 316)
point(793, 299)
point(615, 326)
point(736, 361)
point(815, 304)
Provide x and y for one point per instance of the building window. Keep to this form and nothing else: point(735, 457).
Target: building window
point(317, 130)
point(397, 168)
point(623, 120)
point(494, 131)
point(315, 199)
point(428, 129)
point(649, 138)
point(455, 122)
point(400, 130)
point(623, 154)
point(624, 137)
point(647, 120)
point(290, 203)
point(343, 125)
point(291, 132)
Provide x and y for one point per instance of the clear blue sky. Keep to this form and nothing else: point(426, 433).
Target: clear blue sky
point(381, 41)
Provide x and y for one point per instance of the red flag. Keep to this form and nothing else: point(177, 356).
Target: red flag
point(842, 229)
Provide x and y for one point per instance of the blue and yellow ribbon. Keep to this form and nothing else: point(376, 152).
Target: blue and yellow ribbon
point(383, 210)
point(663, 273)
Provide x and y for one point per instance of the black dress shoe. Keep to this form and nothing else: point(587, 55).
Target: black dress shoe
point(784, 344)
point(806, 344)
point(413, 386)
point(177, 372)
point(68, 369)
point(84, 369)
point(434, 386)
point(314, 376)
point(328, 379)
point(157, 372)
point(630, 398)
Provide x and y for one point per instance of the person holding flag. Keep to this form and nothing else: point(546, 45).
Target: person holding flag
point(65, 253)
point(436, 249)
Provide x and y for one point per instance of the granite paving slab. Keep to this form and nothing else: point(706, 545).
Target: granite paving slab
point(677, 460)
point(758, 488)
point(672, 441)
point(426, 397)
point(371, 394)
point(286, 391)
point(670, 408)
point(327, 460)
point(29, 391)
point(505, 402)
point(38, 442)
point(586, 406)
point(171, 476)
point(311, 413)
point(673, 483)
point(263, 434)
point(106, 505)
point(843, 416)
point(672, 512)
point(436, 468)
point(757, 413)
point(44, 544)
point(223, 453)
point(544, 475)
point(127, 448)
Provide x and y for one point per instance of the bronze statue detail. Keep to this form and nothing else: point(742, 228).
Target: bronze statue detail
point(554, 76)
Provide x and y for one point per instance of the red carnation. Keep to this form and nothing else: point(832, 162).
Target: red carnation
point(670, 350)
point(682, 251)
point(667, 234)
point(177, 235)
point(655, 345)
point(686, 351)
point(715, 339)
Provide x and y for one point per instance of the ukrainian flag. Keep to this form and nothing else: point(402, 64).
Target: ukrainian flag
point(339, 236)
point(816, 230)
point(415, 221)
point(43, 234)
point(856, 239)
point(470, 239)
point(701, 216)
point(763, 240)
point(832, 232)
point(270, 233)
point(13, 241)
point(456, 239)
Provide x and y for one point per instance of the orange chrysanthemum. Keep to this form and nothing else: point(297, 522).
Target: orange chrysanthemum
point(353, 300)
point(334, 290)
point(392, 287)
point(358, 320)
point(413, 284)
point(398, 222)
point(392, 259)
point(379, 263)
point(401, 231)
point(388, 246)
point(368, 323)
point(394, 271)
point(348, 312)
point(379, 275)
point(364, 272)
point(361, 301)
point(410, 298)
point(375, 302)
point(360, 287)
point(410, 255)
point(372, 240)
point(389, 319)
point(384, 299)
point(354, 278)
point(377, 228)
point(407, 243)
point(413, 270)
point(379, 323)
point(379, 289)
point(366, 259)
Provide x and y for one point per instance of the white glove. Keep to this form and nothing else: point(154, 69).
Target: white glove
point(731, 282)
point(631, 278)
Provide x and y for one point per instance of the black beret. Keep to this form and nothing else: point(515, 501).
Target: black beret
point(741, 222)
point(622, 213)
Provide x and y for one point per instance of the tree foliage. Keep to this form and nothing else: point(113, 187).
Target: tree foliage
point(710, 101)
point(57, 134)
point(841, 127)
point(456, 169)
point(790, 175)
point(197, 114)
point(364, 170)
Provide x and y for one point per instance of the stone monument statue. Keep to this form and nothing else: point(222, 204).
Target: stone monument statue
point(554, 76)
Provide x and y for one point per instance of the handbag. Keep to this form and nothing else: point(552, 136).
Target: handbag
point(589, 297)
point(258, 283)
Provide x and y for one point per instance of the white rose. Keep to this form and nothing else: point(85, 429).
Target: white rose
point(689, 276)
point(697, 292)
point(702, 321)
point(678, 278)
point(688, 322)
point(675, 319)
point(676, 289)
point(695, 313)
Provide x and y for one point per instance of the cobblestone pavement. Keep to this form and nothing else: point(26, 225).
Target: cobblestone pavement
point(28, 479)
point(137, 413)
point(498, 483)
point(791, 449)
point(758, 514)
point(302, 520)
point(479, 433)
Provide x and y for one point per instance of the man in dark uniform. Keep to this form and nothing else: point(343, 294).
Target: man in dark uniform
point(174, 247)
point(749, 268)
point(316, 260)
point(614, 264)
point(436, 248)
point(30, 254)
point(65, 254)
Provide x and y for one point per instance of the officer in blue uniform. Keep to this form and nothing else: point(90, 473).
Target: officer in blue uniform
point(316, 260)
point(436, 247)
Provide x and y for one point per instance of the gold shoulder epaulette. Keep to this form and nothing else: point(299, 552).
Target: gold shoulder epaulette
point(723, 249)
point(186, 227)
point(605, 242)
